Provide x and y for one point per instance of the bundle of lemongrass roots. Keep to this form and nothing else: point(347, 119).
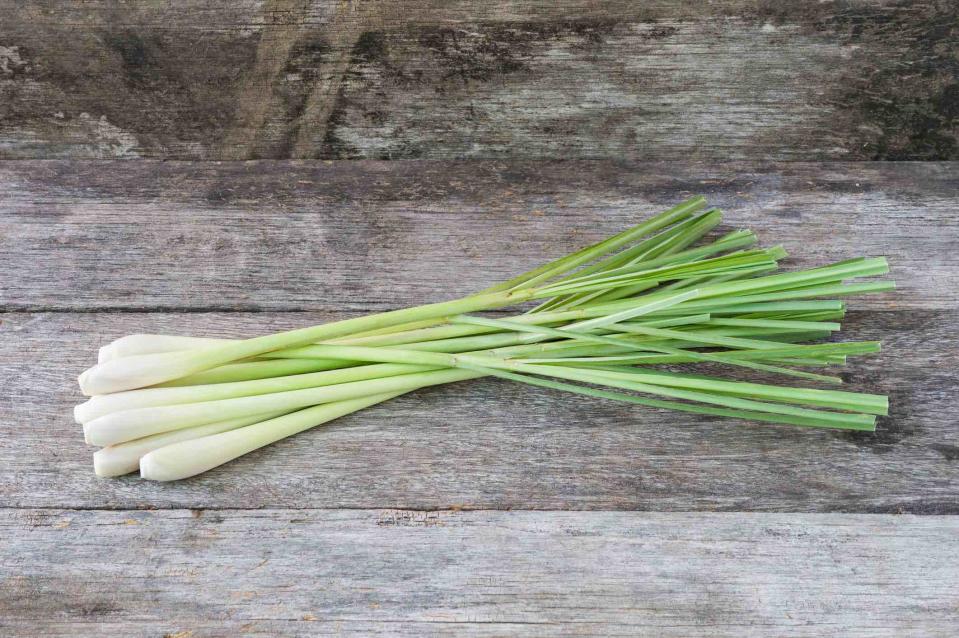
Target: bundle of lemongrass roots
point(609, 317)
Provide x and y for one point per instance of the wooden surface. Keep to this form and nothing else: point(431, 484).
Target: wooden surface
point(527, 129)
point(359, 527)
point(495, 445)
point(364, 236)
point(400, 573)
point(175, 241)
point(663, 79)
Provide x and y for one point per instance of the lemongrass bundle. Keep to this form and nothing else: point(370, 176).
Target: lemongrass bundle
point(608, 316)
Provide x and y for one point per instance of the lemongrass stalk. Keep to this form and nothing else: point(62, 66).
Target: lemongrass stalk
point(546, 272)
point(733, 241)
point(105, 404)
point(135, 372)
point(654, 303)
point(710, 277)
point(874, 404)
point(251, 370)
point(649, 304)
point(635, 274)
point(744, 263)
point(790, 307)
point(450, 330)
point(156, 343)
point(800, 351)
point(158, 396)
point(188, 458)
point(837, 399)
point(123, 458)
point(458, 344)
point(668, 241)
point(665, 243)
point(830, 315)
point(772, 323)
point(722, 282)
point(733, 301)
point(713, 338)
point(589, 352)
point(264, 369)
point(695, 356)
point(477, 342)
point(138, 371)
point(698, 228)
point(801, 420)
point(836, 272)
point(283, 367)
point(183, 460)
point(716, 279)
point(653, 359)
point(271, 368)
point(570, 262)
point(108, 425)
point(642, 347)
point(670, 405)
point(691, 341)
point(639, 382)
point(127, 425)
point(137, 344)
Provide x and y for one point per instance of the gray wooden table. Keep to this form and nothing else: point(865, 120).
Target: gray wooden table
point(482, 508)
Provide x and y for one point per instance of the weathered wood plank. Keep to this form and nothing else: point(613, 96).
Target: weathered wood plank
point(400, 573)
point(358, 236)
point(866, 79)
point(492, 444)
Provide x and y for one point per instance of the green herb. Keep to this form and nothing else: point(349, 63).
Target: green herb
point(611, 315)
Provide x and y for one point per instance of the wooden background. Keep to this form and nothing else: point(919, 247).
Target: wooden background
point(192, 167)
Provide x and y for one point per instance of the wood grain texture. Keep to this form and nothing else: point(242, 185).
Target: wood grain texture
point(360, 236)
point(85, 243)
point(498, 445)
point(733, 79)
point(401, 573)
point(682, 96)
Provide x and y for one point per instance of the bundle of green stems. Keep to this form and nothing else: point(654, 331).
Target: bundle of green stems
point(623, 319)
